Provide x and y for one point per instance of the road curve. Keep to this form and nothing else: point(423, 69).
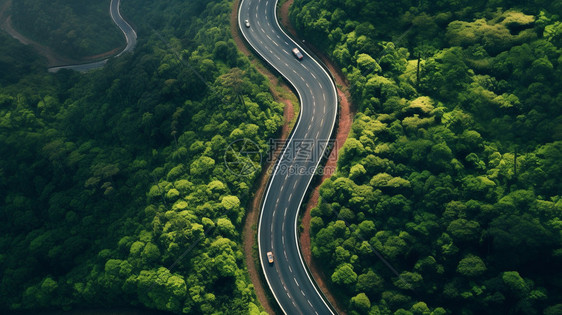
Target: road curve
point(128, 31)
point(288, 278)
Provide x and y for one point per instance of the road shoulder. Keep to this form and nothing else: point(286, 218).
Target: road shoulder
point(346, 113)
point(343, 127)
point(282, 93)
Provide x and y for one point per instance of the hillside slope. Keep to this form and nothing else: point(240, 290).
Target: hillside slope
point(447, 194)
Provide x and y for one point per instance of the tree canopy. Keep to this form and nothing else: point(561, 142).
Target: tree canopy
point(113, 186)
point(446, 197)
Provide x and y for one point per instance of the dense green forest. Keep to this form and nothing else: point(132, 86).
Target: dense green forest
point(447, 196)
point(113, 189)
point(75, 29)
point(16, 60)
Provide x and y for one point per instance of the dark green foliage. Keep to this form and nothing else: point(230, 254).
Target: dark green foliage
point(15, 61)
point(113, 189)
point(75, 29)
point(451, 176)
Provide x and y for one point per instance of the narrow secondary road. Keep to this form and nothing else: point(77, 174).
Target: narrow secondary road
point(128, 31)
point(288, 278)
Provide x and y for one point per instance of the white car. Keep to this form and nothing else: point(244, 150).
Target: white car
point(270, 257)
point(297, 53)
point(247, 23)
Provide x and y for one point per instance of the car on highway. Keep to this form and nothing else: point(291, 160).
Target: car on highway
point(247, 23)
point(297, 53)
point(270, 257)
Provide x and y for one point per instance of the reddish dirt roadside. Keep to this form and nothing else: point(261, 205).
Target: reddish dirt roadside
point(345, 120)
point(106, 54)
point(343, 128)
point(252, 213)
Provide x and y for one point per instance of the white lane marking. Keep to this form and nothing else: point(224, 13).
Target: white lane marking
point(285, 253)
point(301, 260)
point(298, 285)
point(322, 122)
point(286, 43)
point(290, 269)
point(324, 96)
point(262, 29)
point(301, 78)
point(275, 43)
point(311, 305)
point(277, 202)
point(317, 134)
point(295, 185)
point(286, 65)
point(277, 57)
point(313, 75)
point(290, 197)
point(283, 239)
point(302, 292)
point(267, 35)
point(308, 86)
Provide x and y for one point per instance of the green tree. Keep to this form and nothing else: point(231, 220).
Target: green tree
point(361, 303)
point(471, 266)
point(344, 275)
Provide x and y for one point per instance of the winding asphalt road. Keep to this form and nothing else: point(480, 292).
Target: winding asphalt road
point(128, 31)
point(288, 278)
